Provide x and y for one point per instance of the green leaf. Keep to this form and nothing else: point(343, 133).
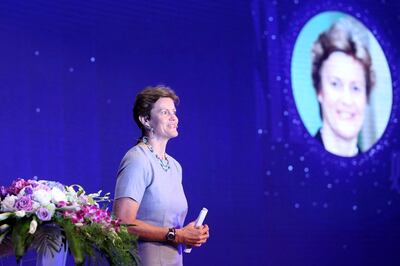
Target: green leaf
point(2, 236)
point(75, 241)
point(20, 237)
point(5, 215)
point(4, 228)
point(4, 233)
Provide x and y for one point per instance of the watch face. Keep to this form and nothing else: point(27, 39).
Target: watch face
point(171, 235)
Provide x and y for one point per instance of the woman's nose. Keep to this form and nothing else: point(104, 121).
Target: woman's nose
point(173, 117)
point(347, 97)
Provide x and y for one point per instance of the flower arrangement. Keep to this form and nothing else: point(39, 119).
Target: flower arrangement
point(44, 215)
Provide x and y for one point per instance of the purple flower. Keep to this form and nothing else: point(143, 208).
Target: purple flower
point(43, 214)
point(28, 190)
point(16, 186)
point(24, 203)
point(33, 182)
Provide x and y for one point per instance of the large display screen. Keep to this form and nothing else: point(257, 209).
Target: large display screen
point(341, 83)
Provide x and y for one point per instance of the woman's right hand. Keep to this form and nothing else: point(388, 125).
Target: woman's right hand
point(191, 235)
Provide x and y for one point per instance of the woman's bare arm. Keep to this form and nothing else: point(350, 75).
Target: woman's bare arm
point(126, 210)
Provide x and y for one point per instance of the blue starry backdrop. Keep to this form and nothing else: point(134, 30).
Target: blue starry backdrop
point(69, 72)
point(323, 209)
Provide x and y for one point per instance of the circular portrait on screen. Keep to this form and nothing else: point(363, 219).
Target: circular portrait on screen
point(341, 83)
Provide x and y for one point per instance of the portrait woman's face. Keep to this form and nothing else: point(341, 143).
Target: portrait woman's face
point(164, 119)
point(343, 96)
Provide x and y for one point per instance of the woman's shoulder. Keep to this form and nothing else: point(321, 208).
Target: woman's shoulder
point(134, 160)
point(135, 154)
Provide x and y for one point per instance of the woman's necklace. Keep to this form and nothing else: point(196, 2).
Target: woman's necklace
point(164, 163)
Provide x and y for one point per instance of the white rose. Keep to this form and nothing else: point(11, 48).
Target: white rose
point(21, 193)
point(20, 213)
point(7, 205)
point(42, 196)
point(70, 194)
point(52, 208)
point(35, 205)
point(57, 195)
point(33, 226)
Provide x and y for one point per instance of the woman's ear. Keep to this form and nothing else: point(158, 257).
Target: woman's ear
point(144, 120)
point(319, 97)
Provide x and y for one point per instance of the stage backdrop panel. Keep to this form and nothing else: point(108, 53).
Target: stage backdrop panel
point(68, 76)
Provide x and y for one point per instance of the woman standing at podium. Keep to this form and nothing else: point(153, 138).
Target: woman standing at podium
point(149, 192)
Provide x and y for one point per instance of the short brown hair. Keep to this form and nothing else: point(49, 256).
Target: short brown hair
point(348, 36)
point(145, 100)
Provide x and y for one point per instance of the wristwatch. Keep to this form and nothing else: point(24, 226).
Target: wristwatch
point(170, 236)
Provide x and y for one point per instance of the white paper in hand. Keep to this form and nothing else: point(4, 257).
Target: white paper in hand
point(199, 222)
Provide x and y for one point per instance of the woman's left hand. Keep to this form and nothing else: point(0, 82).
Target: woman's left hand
point(193, 236)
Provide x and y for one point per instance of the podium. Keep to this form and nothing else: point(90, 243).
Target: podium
point(31, 258)
point(59, 258)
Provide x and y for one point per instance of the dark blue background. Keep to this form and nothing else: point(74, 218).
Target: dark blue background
point(69, 72)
